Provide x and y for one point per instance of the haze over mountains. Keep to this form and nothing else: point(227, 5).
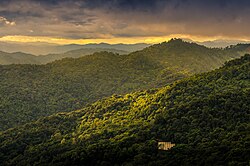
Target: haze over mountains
point(222, 43)
point(81, 50)
point(39, 48)
point(28, 92)
point(23, 58)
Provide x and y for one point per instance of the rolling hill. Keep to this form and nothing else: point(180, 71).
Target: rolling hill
point(17, 58)
point(206, 116)
point(23, 58)
point(28, 92)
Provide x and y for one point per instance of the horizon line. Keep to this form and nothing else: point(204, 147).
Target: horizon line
point(136, 40)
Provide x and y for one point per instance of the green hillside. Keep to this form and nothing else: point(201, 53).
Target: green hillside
point(28, 92)
point(207, 116)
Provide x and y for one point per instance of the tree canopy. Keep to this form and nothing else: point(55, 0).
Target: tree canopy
point(206, 116)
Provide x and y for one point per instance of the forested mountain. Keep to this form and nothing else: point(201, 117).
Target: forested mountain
point(17, 58)
point(193, 57)
point(23, 58)
point(28, 92)
point(207, 117)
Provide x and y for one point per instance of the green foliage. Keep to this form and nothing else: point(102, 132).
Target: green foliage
point(28, 92)
point(206, 115)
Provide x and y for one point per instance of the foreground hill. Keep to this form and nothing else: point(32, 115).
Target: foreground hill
point(23, 58)
point(28, 92)
point(207, 117)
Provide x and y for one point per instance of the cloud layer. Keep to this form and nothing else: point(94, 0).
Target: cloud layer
point(4, 21)
point(102, 19)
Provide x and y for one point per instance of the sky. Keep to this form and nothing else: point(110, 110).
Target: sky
point(123, 21)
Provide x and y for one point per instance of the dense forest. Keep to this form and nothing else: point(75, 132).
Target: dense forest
point(206, 115)
point(28, 92)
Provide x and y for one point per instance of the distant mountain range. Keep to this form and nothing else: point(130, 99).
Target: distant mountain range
point(28, 92)
point(23, 58)
point(46, 48)
point(42, 48)
point(77, 51)
point(220, 43)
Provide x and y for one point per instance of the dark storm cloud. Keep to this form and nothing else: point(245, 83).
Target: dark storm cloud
point(126, 18)
point(155, 5)
point(123, 4)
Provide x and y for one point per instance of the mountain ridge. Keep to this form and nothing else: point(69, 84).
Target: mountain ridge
point(23, 58)
point(47, 48)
